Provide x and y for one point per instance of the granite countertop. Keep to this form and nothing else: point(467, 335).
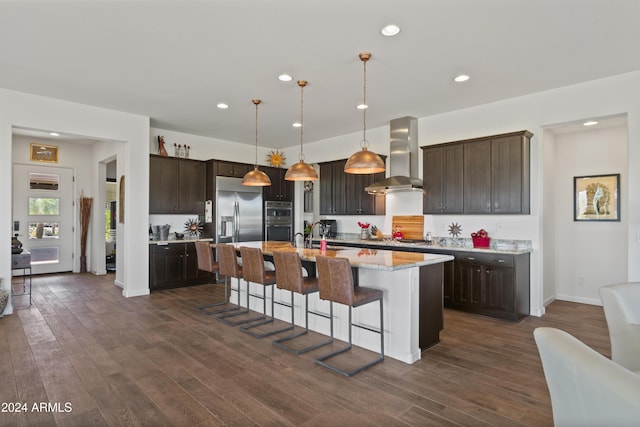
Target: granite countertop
point(168, 242)
point(512, 247)
point(376, 259)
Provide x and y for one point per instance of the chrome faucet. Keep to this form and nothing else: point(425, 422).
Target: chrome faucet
point(309, 243)
point(295, 239)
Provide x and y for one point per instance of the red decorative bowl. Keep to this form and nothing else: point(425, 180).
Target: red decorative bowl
point(481, 242)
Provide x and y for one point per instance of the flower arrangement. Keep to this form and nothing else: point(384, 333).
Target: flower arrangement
point(364, 225)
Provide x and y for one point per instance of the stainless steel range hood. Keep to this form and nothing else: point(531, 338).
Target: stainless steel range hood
point(403, 159)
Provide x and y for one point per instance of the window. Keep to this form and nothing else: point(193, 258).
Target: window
point(44, 181)
point(49, 255)
point(44, 230)
point(44, 206)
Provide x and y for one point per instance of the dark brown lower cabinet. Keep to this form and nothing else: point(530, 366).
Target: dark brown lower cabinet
point(487, 283)
point(495, 285)
point(174, 265)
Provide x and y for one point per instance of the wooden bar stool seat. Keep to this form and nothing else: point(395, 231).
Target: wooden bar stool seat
point(253, 270)
point(289, 277)
point(335, 283)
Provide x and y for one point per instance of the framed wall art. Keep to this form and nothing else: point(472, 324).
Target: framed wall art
point(44, 153)
point(596, 198)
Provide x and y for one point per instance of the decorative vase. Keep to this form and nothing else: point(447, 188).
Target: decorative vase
point(161, 150)
point(364, 234)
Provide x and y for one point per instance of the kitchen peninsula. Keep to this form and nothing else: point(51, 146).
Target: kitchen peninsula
point(412, 286)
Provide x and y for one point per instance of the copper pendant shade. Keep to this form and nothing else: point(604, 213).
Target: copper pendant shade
point(256, 178)
point(301, 171)
point(364, 161)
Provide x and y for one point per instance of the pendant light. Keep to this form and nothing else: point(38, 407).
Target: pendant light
point(364, 161)
point(256, 178)
point(301, 171)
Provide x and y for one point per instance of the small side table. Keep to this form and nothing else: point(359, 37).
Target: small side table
point(22, 261)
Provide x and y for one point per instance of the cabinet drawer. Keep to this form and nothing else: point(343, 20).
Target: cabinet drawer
point(20, 261)
point(497, 260)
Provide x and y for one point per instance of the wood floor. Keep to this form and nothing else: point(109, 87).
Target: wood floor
point(155, 360)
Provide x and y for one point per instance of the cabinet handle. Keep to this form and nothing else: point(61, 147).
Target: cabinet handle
point(499, 260)
point(471, 258)
point(488, 271)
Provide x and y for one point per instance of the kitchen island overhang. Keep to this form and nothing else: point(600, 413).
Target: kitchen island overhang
point(412, 284)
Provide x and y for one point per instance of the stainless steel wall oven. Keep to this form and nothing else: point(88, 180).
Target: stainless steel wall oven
point(278, 222)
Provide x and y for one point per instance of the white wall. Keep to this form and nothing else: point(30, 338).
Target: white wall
point(588, 254)
point(36, 112)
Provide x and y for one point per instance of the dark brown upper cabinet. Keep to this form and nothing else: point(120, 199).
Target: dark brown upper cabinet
point(280, 190)
point(489, 175)
point(176, 185)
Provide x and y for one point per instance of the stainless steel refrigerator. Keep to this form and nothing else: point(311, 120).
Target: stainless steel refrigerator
point(238, 211)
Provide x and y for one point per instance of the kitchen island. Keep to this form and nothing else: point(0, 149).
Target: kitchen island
point(412, 285)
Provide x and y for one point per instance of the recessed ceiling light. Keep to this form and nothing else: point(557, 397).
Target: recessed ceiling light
point(461, 78)
point(54, 134)
point(222, 106)
point(285, 78)
point(590, 123)
point(297, 125)
point(390, 30)
point(362, 107)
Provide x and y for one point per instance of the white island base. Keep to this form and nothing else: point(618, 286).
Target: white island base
point(412, 305)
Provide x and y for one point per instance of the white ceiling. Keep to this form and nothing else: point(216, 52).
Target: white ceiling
point(173, 61)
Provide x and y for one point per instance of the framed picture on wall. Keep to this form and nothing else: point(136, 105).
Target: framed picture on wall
point(596, 198)
point(44, 153)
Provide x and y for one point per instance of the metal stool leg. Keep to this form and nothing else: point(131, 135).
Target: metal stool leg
point(224, 318)
point(247, 329)
point(225, 302)
point(321, 360)
point(279, 342)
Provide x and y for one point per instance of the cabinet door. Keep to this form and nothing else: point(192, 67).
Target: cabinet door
point(432, 177)
point(224, 169)
point(241, 169)
point(448, 285)
point(191, 186)
point(453, 179)
point(325, 188)
point(332, 188)
point(467, 291)
point(356, 202)
point(167, 269)
point(163, 184)
point(477, 177)
point(272, 191)
point(286, 188)
point(192, 275)
point(499, 288)
point(339, 196)
point(507, 177)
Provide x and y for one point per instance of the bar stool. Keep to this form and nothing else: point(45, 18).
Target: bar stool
point(289, 277)
point(253, 270)
point(206, 262)
point(228, 262)
point(335, 282)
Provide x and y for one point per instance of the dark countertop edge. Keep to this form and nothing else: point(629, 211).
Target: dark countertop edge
point(423, 247)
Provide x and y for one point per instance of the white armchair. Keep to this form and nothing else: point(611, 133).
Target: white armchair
point(586, 388)
point(621, 304)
